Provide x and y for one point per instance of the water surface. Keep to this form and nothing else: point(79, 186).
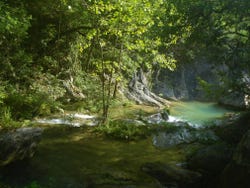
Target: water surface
point(198, 113)
point(70, 157)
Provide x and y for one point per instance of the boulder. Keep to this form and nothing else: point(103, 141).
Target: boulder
point(181, 133)
point(158, 118)
point(18, 144)
point(237, 172)
point(211, 159)
point(238, 97)
point(232, 130)
point(237, 100)
point(171, 176)
point(178, 135)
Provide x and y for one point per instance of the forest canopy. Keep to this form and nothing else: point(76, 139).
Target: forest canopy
point(98, 44)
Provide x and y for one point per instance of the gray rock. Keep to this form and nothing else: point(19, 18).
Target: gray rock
point(238, 97)
point(211, 159)
point(242, 152)
point(139, 92)
point(18, 144)
point(171, 176)
point(237, 172)
point(156, 119)
point(182, 134)
point(232, 130)
point(238, 100)
point(169, 139)
point(182, 84)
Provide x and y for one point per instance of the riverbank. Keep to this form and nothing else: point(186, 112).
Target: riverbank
point(84, 157)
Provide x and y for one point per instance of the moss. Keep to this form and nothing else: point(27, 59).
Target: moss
point(79, 155)
point(131, 111)
point(125, 130)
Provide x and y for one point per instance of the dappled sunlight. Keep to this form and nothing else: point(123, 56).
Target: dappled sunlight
point(77, 155)
point(131, 111)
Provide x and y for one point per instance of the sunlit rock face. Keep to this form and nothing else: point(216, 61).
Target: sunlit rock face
point(139, 91)
point(18, 144)
point(183, 134)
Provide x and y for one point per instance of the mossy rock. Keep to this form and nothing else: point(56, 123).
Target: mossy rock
point(232, 132)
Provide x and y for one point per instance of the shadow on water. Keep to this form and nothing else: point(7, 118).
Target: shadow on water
point(77, 157)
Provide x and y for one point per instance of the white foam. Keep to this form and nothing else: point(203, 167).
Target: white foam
point(173, 119)
point(58, 122)
point(83, 116)
point(52, 121)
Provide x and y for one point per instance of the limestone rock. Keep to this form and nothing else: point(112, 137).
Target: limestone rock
point(18, 144)
point(158, 118)
point(139, 92)
point(238, 100)
point(182, 84)
point(182, 134)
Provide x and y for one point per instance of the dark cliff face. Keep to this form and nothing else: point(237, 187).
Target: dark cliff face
point(204, 81)
point(183, 84)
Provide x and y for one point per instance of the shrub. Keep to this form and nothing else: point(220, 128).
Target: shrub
point(33, 184)
point(27, 106)
point(2, 94)
point(6, 120)
point(125, 130)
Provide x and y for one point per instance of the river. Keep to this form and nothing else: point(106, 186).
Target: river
point(78, 157)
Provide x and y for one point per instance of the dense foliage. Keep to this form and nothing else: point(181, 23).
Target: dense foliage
point(97, 45)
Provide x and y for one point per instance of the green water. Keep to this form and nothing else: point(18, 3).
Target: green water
point(78, 158)
point(198, 113)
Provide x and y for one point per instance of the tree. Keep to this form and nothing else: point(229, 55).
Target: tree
point(14, 60)
point(216, 30)
point(119, 41)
